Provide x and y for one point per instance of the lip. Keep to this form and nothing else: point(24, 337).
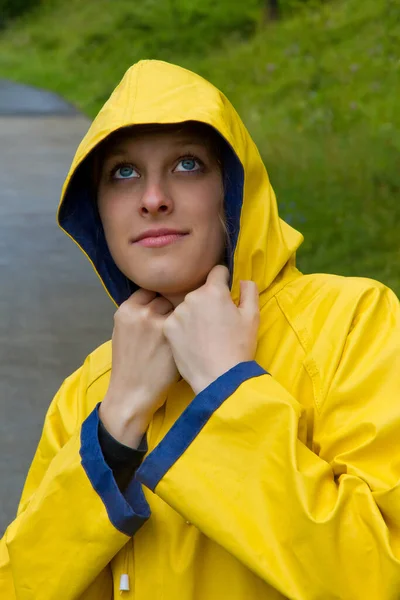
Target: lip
point(157, 238)
point(154, 233)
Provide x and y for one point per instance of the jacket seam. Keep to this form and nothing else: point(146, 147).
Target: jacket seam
point(278, 289)
point(97, 377)
point(306, 353)
point(132, 108)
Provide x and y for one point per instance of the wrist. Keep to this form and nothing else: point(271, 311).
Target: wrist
point(126, 429)
point(206, 379)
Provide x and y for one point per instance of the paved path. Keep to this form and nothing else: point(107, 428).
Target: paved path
point(53, 310)
point(19, 99)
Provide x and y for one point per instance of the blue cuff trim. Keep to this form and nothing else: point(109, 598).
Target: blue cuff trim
point(128, 511)
point(192, 421)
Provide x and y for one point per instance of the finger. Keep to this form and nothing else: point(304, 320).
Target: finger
point(219, 275)
point(142, 297)
point(248, 298)
point(161, 306)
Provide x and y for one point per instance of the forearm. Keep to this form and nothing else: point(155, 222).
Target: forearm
point(238, 471)
point(126, 418)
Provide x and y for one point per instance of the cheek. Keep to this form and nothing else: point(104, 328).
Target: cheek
point(114, 214)
point(207, 204)
point(210, 215)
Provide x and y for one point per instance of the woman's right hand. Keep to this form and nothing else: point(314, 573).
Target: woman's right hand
point(143, 367)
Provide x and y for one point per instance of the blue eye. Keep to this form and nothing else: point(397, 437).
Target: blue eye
point(125, 172)
point(188, 165)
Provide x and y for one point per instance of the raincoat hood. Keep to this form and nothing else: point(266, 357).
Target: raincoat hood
point(161, 93)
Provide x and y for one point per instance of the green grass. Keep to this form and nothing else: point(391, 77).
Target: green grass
point(318, 91)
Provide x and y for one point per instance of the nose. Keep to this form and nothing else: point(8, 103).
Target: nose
point(155, 199)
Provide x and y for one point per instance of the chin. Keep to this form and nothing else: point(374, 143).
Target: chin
point(169, 284)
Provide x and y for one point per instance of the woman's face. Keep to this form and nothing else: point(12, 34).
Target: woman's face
point(163, 179)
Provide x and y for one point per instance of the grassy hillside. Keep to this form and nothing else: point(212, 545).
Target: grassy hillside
point(318, 91)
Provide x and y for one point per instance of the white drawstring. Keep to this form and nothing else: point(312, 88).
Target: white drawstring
point(124, 583)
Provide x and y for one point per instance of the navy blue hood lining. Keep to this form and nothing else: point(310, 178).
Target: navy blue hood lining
point(80, 218)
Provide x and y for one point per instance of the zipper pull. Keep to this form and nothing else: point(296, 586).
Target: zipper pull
point(124, 583)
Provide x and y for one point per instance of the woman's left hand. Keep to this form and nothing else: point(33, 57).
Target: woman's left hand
point(209, 334)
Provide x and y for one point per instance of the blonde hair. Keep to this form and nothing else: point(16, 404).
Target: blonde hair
point(228, 248)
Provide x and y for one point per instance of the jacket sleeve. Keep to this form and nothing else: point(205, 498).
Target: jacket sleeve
point(72, 517)
point(313, 524)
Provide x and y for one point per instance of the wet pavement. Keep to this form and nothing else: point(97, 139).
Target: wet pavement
point(53, 309)
point(20, 99)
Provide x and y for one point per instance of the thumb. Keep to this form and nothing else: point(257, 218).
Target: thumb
point(248, 304)
point(219, 275)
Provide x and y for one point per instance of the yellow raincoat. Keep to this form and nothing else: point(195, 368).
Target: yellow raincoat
point(279, 480)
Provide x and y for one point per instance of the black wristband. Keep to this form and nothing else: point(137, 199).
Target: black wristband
point(117, 455)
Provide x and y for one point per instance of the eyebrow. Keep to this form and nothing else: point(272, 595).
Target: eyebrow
point(187, 141)
point(122, 151)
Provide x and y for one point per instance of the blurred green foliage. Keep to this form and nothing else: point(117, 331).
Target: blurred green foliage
point(14, 8)
point(318, 90)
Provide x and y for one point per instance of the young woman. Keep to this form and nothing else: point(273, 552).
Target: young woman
point(238, 437)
